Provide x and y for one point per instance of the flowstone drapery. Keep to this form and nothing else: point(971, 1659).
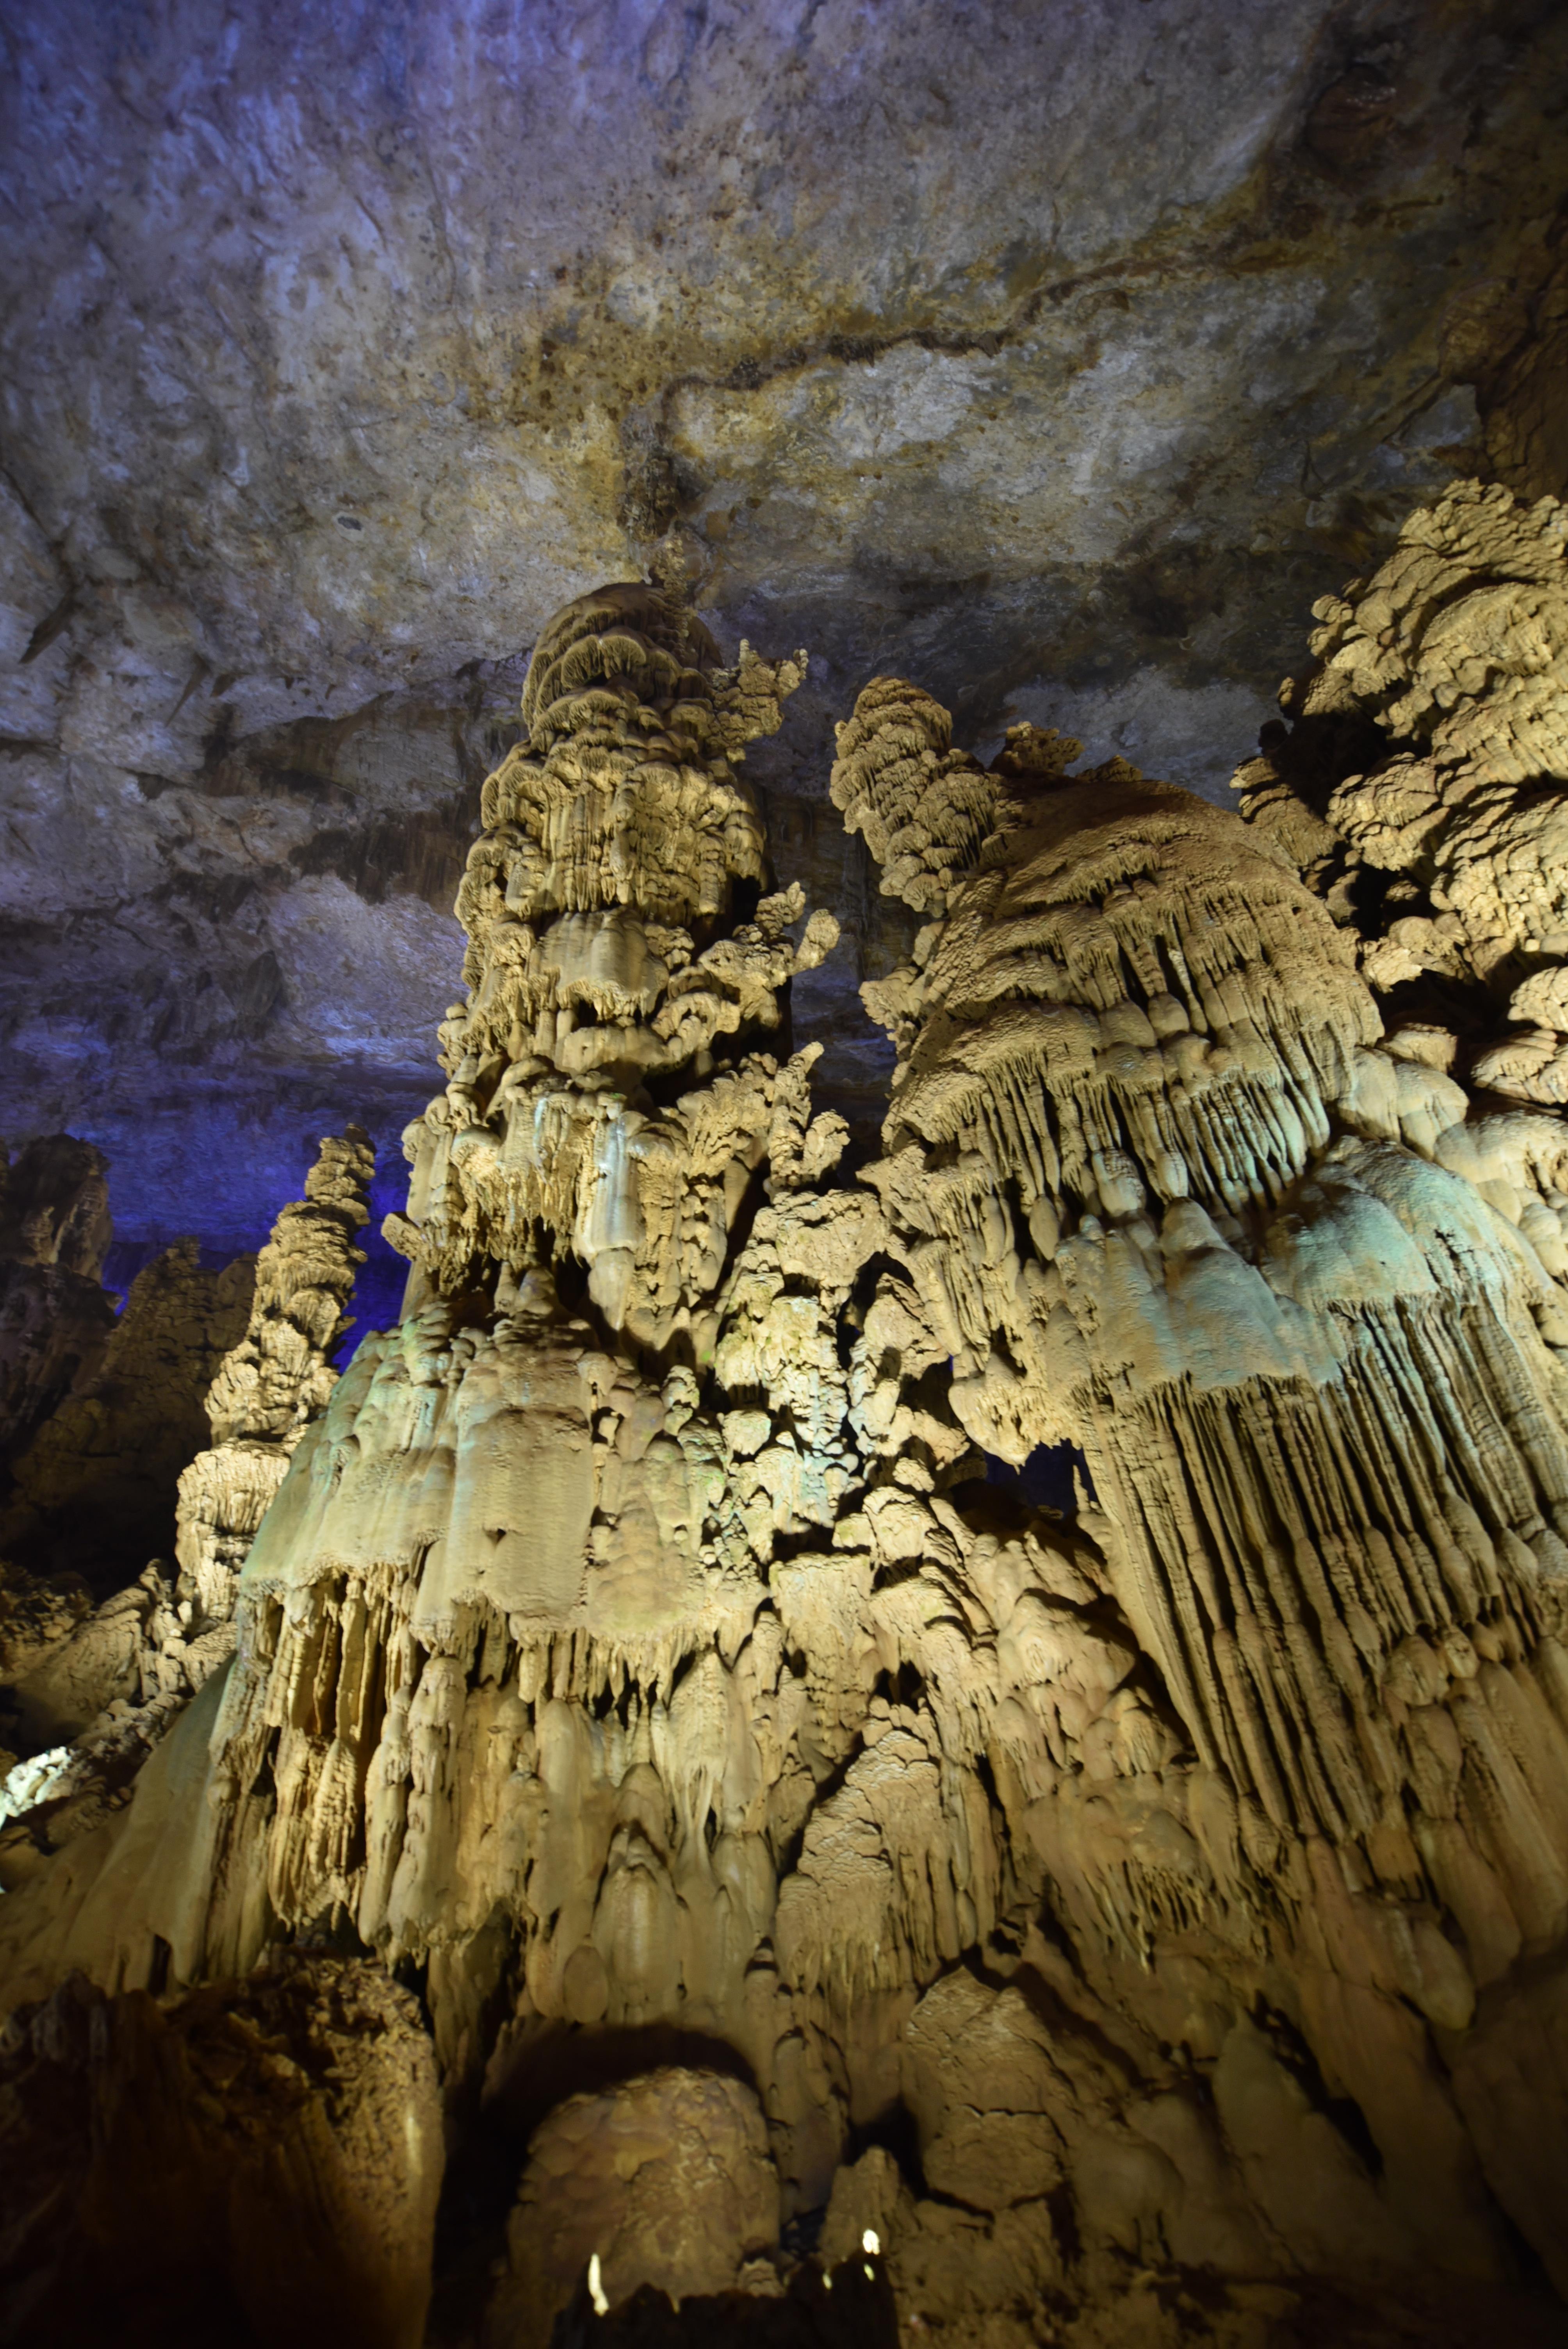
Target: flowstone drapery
point(635, 1655)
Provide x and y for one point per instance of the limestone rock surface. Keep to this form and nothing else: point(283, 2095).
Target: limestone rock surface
point(259, 2160)
point(635, 1647)
point(1058, 361)
point(269, 1387)
point(55, 1317)
point(668, 2180)
point(1446, 836)
point(95, 1690)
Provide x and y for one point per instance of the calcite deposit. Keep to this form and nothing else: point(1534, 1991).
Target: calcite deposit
point(278, 1378)
point(667, 2180)
point(88, 1692)
point(1426, 780)
point(1150, 1923)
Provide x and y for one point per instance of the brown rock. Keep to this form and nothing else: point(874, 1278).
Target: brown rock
point(262, 2155)
point(667, 2180)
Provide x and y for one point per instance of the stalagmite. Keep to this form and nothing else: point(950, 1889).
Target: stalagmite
point(666, 2181)
point(783, 1823)
point(110, 1685)
point(1162, 1196)
point(278, 1378)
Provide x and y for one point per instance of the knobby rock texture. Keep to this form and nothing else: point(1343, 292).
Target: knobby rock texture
point(1146, 1925)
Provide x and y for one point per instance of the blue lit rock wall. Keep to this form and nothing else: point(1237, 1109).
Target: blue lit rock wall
point(1060, 357)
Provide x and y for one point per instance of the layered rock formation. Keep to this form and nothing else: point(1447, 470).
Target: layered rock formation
point(1152, 1924)
point(1423, 786)
point(1162, 1200)
point(278, 1378)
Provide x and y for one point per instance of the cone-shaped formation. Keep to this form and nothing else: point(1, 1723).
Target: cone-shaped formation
point(107, 1688)
point(605, 968)
point(278, 1378)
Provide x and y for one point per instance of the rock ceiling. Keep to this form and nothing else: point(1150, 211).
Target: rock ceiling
point(1061, 356)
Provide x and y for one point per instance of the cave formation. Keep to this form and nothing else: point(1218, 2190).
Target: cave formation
point(863, 1636)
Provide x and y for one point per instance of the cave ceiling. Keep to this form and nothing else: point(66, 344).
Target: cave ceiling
point(1058, 354)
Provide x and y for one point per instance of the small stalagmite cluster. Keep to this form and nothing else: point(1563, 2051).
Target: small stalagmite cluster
point(1141, 1925)
point(92, 1691)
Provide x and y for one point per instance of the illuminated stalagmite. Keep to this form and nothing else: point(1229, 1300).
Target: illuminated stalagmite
point(782, 1820)
point(1163, 1197)
point(102, 1690)
point(278, 1377)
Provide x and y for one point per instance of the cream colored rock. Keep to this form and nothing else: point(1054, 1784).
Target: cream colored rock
point(923, 807)
point(101, 1660)
point(111, 1687)
point(1114, 1174)
point(1457, 649)
point(600, 958)
point(278, 1377)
